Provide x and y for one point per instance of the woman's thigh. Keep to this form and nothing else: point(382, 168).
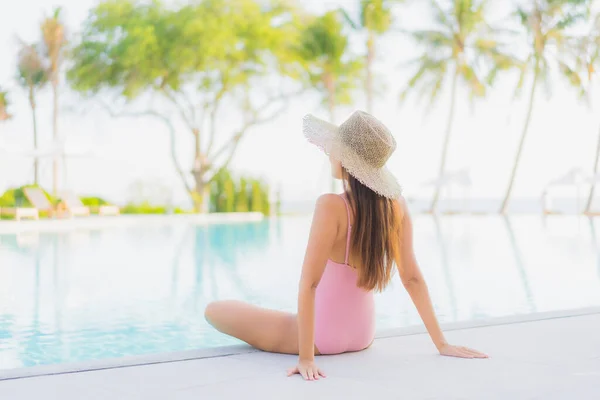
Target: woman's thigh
point(267, 330)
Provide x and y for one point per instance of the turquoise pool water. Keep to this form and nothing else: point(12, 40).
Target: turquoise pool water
point(93, 294)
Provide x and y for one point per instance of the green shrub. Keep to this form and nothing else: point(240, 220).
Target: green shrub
point(256, 199)
point(143, 208)
point(16, 197)
point(241, 201)
point(248, 195)
point(93, 201)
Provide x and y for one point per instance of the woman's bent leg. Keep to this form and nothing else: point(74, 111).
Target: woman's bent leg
point(267, 330)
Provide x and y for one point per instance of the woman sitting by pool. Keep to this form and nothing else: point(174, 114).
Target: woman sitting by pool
point(354, 241)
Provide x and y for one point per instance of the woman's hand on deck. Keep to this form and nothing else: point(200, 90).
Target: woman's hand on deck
point(461, 352)
point(308, 370)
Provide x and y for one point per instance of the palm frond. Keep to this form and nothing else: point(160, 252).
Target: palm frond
point(471, 79)
point(376, 15)
point(569, 20)
point(523, 71)
point(353, 24)
point(572, 75)
point(435, 87)
point(441, 15)
point(30, 66)
point(432, 38)
point(429, 70)
point(4, 103)
point(523, 18)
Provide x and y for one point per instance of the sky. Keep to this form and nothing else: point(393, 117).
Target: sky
point(563, 134)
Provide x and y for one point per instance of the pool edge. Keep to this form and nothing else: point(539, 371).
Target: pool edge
point(224, 351)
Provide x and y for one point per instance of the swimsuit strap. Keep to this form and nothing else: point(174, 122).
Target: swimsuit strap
point(349, 229)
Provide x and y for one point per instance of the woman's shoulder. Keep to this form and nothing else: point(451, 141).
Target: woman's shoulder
point(329, 198)
point(401, 206)
point(329, 202)
point(329, 209)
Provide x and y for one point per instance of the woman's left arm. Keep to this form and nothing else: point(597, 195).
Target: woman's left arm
point(415, 285)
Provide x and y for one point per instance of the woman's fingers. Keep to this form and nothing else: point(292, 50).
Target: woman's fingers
point(478, 354)
point(462, 353)
point(304, 374)
point(474, 353)
point(309, 374)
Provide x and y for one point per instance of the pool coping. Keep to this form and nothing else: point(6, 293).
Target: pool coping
point(224, 351)
point(98, 222)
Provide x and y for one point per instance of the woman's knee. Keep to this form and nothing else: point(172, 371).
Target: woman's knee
point(212, 310)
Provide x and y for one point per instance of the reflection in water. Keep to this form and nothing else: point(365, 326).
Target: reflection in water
point(82, 295)
point(445, 265)
point(177, 261)
point(519, 264)
point(595, 247)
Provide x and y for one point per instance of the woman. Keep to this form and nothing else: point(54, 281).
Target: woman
point(354, 241)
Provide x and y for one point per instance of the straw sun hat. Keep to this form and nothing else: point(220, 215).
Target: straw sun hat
point(363, 144)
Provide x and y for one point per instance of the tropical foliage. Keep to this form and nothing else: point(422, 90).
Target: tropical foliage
point(452, 52)
point(546, 24)
point(329, 68)
point(213, 71)
point(375, 18)
point(54, 42)
point(32, 76)
point(589, 60)
point(184, 57)
point(15, 197)
point(4, 104)
point(231, 194)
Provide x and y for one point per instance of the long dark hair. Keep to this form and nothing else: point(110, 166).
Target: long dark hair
point(376, 234)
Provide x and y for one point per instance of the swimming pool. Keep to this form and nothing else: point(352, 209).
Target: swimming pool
point(88, 294)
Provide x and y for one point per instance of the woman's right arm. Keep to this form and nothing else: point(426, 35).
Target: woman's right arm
point(322, 237)
point(415, 285)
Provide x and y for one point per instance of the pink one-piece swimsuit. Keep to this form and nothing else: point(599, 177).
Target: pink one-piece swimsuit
point(344, 313)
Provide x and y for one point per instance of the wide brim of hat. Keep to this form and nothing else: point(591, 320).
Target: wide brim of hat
point(326, 136)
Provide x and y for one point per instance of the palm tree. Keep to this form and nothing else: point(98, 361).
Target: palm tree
point(460, 40)
point(546, 23)
point(4, 103)
point(32, 76)
point(323, 49)
point(54, 40)
point(376, 19)
point(591, 61)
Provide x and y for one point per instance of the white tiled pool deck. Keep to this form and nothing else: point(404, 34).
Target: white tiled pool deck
point(545, 356)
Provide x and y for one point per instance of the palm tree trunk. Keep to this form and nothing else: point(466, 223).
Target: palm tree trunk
point(588, 206)
point(35, 136)
point(201, 186)
point(513, 174)
point(446, 145)
point(369, 78)
point(55, 137)
point(330, 85)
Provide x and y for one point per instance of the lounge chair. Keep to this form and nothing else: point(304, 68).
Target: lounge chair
point(20, 212)
point(39, 201)
point(74, 206)
point(109, 210)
